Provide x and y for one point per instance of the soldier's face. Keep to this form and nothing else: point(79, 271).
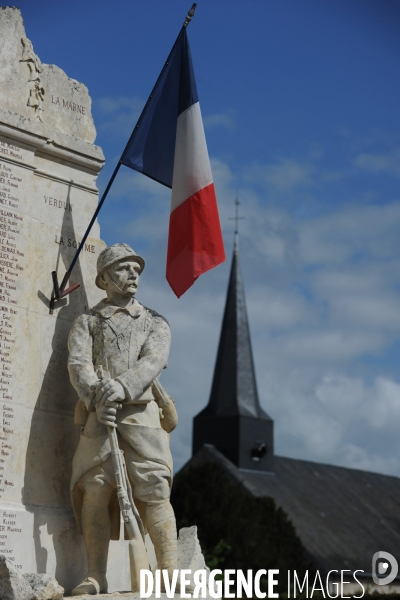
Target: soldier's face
point(124, 277)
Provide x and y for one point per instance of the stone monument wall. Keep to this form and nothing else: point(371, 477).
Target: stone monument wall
point(48, 193)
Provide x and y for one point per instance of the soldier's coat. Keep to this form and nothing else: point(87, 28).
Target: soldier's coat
point(132, 345)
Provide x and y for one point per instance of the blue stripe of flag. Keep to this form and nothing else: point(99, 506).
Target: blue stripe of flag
point(151, 148)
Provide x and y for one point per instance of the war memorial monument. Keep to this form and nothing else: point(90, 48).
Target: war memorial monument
point(48, 170)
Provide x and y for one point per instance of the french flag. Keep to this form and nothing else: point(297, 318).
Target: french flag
point(168, 144)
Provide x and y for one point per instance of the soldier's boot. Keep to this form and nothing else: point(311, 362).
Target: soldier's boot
point(161, 525)
point(96, 534)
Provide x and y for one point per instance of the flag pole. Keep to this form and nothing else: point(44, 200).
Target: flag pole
point(59, 291)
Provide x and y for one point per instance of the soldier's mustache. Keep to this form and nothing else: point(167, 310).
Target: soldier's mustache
point(129, 282)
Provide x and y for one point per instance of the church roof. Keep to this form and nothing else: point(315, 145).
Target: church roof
point(342, 516)
point(234, 388)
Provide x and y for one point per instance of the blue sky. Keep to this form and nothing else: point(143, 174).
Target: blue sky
point(300, 104)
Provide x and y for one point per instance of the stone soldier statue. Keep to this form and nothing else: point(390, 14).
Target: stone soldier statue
point(131, 342)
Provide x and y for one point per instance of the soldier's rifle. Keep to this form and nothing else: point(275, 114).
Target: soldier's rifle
point(132, 521)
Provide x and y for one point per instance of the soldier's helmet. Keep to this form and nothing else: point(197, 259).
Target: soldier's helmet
point(113, 254)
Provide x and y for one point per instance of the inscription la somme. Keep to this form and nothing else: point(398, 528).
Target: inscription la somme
point(71, 243)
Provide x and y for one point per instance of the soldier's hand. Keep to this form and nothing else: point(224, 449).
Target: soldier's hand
point(110, 393)
point(106, 414)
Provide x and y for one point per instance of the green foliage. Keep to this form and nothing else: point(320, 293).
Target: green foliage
point(236, 530)
point(217, 558)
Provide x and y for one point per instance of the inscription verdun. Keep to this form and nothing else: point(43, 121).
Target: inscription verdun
point(57, 203)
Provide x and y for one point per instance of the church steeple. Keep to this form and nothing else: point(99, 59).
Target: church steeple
point(233, 420)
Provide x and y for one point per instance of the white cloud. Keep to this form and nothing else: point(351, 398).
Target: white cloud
point(340, 394)
point(273, 309)
point(388, 163)
point(377, 311)
point(342, 420)
point(283, 175)
point(330, 345)
point(351, 232)
point(135, 187)
point(376, 406)
point(384, 410)
point(118, 114)
point(224, 120)
point(359, 458)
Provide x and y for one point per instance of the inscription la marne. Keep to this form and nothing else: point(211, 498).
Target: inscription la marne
point(68, 104)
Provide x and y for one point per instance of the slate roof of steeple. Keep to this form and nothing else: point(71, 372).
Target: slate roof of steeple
point(234, 388)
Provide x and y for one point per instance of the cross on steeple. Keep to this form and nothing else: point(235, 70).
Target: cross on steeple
point(236, 218)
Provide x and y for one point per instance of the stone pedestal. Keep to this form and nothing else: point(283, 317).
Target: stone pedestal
point(48, 193)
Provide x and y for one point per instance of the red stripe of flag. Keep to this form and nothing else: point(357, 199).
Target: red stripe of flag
point(195, 242)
